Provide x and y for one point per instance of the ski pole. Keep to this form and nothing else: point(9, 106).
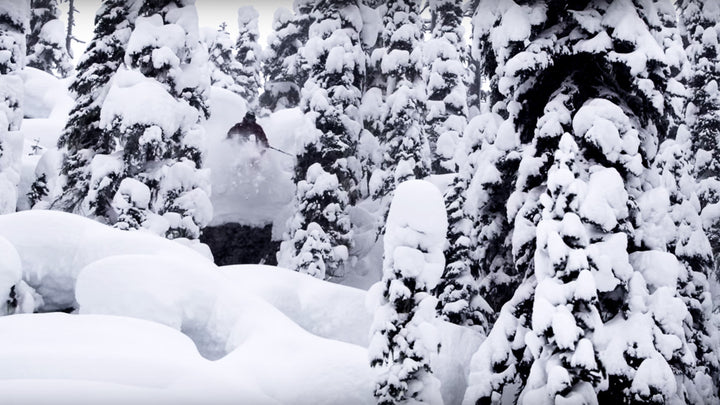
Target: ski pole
point(278, 150)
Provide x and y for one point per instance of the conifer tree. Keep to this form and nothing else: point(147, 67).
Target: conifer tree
point(700, 28)
point(401, 344)
point(681, 230)
point(14, 16)
point(248, 55)
point(687, 239)
point(481, 269)
point(320, 229)
point(283, 77)
point(475, 238)
point(331, 99)
point(405, 146)
point(224, 68)
point(46, 48)
point(83, 138)
point(600, 313)
point(473, 79)
point(447, 108)
point(298, 67)
point(160, 137)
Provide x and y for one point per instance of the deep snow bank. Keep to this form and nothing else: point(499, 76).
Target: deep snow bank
point(288, 337)
point(54, 246)
point(89, 359)
point(229, 323)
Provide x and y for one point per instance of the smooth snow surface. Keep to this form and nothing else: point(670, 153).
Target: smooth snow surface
point(90, 359)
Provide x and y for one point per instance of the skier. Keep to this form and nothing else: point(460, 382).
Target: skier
point(249, 130)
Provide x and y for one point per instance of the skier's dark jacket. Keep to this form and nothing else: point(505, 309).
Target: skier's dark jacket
point(243, 130)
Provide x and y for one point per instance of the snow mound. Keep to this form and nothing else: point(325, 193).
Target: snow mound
point(54, 246)
point(230, 324)
point(44, 94)
point(88, 359)
point(305, 300)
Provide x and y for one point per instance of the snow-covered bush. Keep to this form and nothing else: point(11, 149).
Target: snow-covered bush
point(54, 247)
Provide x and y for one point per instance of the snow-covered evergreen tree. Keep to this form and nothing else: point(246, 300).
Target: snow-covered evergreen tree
point(478, 277)
point(600, 314)
point(481, 268)
point(298, 66)
point(284, 78)
point(14, 16)
point(370, 151)
point(700, 22)
point(224, 68)
point(248, 55)
point(406, 150)
point(679, 227)
point(46, 40)
point(83, 137)
point(160, 137)
point(331, 99)
point(402, 340)
point(319, 232)
point(678, 175)
point(331, 96)
point(447, 97)
point(474, 76)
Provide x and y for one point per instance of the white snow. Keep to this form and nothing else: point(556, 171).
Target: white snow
point(84, 359)
point(55, 246)
point(275, 338)
point(250, 186)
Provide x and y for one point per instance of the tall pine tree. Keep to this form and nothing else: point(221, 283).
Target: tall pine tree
point(447, 108)
point(481, 268)
point(330, 99)
point(405, 147)
point(160, 138)
point(700, 23)
point(402, 340)
point(46, 48)
point(83, 137)
point(224, 68)
point(600, 313)
point(284, 77)
point(248, 55)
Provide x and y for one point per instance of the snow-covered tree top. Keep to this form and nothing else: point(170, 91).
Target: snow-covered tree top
point(15, 12)
point(248, 19)
point(419, 207)
point(281, 17)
